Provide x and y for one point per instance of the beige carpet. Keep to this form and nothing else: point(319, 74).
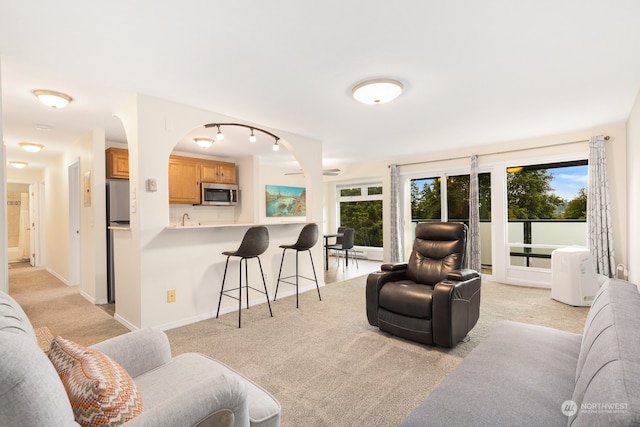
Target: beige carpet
point(323, 361)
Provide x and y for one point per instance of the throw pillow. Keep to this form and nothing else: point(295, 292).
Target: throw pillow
point(101, 391)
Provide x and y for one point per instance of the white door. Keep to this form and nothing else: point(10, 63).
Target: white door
point(32, 226)
point(74, 223)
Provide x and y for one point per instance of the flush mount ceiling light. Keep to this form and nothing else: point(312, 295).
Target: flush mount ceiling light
point(18, 165)
point(377, 91)
point(203, 142)
point(52, 99)
point(252, 136)
point(31, 147)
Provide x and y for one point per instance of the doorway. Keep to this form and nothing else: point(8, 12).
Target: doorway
point(18, 225)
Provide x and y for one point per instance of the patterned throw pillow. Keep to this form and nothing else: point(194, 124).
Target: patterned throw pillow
point(101, 391)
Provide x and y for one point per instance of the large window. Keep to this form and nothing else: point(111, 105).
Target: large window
point(547, 206)
point(361, 209)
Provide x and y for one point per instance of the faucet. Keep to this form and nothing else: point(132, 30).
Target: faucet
point(183, 217)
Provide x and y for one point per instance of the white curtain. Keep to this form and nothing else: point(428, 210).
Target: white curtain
point(473, 244)
point(396, 254)
point(600, 230)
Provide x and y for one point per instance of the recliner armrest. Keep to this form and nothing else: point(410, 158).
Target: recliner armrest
point(455, 309)
point(138, 351)
point(463, 274)
point(375, 281)
point(394, 267)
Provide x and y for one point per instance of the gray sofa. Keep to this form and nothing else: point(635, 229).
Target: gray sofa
point(188, 390)
point(529, 375)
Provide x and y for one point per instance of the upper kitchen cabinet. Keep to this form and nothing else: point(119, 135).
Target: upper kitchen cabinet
point(184, 180)
point(117, 163)
point(218, 172)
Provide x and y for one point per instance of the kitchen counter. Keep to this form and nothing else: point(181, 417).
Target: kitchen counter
point(204, 224)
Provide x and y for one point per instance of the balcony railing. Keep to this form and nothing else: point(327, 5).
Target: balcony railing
point(530, 241)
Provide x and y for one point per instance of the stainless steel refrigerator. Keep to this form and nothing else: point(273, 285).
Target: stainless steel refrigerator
point(117, 214)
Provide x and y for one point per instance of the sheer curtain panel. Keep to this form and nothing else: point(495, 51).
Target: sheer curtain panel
point(600, 230)
point(396, 229)
point(473, 248)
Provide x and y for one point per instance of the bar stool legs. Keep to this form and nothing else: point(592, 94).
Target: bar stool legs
point(254, 243)
point(307, 239)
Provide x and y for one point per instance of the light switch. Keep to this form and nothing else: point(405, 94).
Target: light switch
point(152, 185)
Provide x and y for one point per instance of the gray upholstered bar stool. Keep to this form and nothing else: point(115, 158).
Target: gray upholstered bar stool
point(306, 240)
point(254, 244)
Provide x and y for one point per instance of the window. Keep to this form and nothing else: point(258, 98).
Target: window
point(361, 209)
point(547, 206)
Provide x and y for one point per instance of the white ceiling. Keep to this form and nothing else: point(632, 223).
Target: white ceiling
point(474, 72)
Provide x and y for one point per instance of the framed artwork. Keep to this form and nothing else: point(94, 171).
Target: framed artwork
point(285, 201)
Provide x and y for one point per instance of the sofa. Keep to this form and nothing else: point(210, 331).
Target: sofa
point(157, 389)
point(530, 375)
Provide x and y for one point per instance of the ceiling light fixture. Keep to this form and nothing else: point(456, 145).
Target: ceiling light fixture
point(18, 165)
point(203, 142)
point(252, 136)
point(52, 99)
point(31, 147)
point(219, 135)
point(377, 91)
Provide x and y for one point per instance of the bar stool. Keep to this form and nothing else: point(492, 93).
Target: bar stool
point(306, 240)
point(254, 244)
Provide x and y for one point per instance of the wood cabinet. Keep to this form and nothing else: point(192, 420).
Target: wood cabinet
point(184, 180)
point(117, 166)
point(219, 172)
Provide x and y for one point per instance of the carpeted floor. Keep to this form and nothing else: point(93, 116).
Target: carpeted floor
point(324, 363)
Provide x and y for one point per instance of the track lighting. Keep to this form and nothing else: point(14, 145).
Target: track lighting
point(252, 136)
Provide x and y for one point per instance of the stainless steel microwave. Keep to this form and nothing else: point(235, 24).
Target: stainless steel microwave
point(219, 194)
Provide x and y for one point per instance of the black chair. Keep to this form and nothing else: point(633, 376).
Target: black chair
point(254, 244)
point(344, 243)
point(431, 299)
point(306, 240)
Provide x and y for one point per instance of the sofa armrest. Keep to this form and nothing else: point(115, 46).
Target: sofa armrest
point(219, 400)
point(139, 351)
point(456, 308)
point(375, 281)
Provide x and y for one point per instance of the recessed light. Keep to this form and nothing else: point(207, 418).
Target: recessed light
point(43, 127)
point(52, 99)
point(377, 91)
point(31, 147)
point(18, 165)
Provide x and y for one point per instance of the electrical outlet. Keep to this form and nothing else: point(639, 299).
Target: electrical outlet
point(171, 295)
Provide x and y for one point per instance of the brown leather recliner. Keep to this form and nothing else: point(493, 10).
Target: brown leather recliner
point(429, 299)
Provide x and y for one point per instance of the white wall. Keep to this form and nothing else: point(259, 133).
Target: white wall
point(159, 259)
point(633, 190)
point(4, 259)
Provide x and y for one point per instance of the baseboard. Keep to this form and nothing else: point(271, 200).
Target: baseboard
point(124, 322)
point(57, 276)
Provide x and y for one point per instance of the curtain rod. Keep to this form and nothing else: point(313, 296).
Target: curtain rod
point(606, 138)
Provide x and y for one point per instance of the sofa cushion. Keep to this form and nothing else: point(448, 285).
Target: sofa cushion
point(13, 318)
point(31, 393)
point(518, 369)
point(101, 391)
point(607, 390)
